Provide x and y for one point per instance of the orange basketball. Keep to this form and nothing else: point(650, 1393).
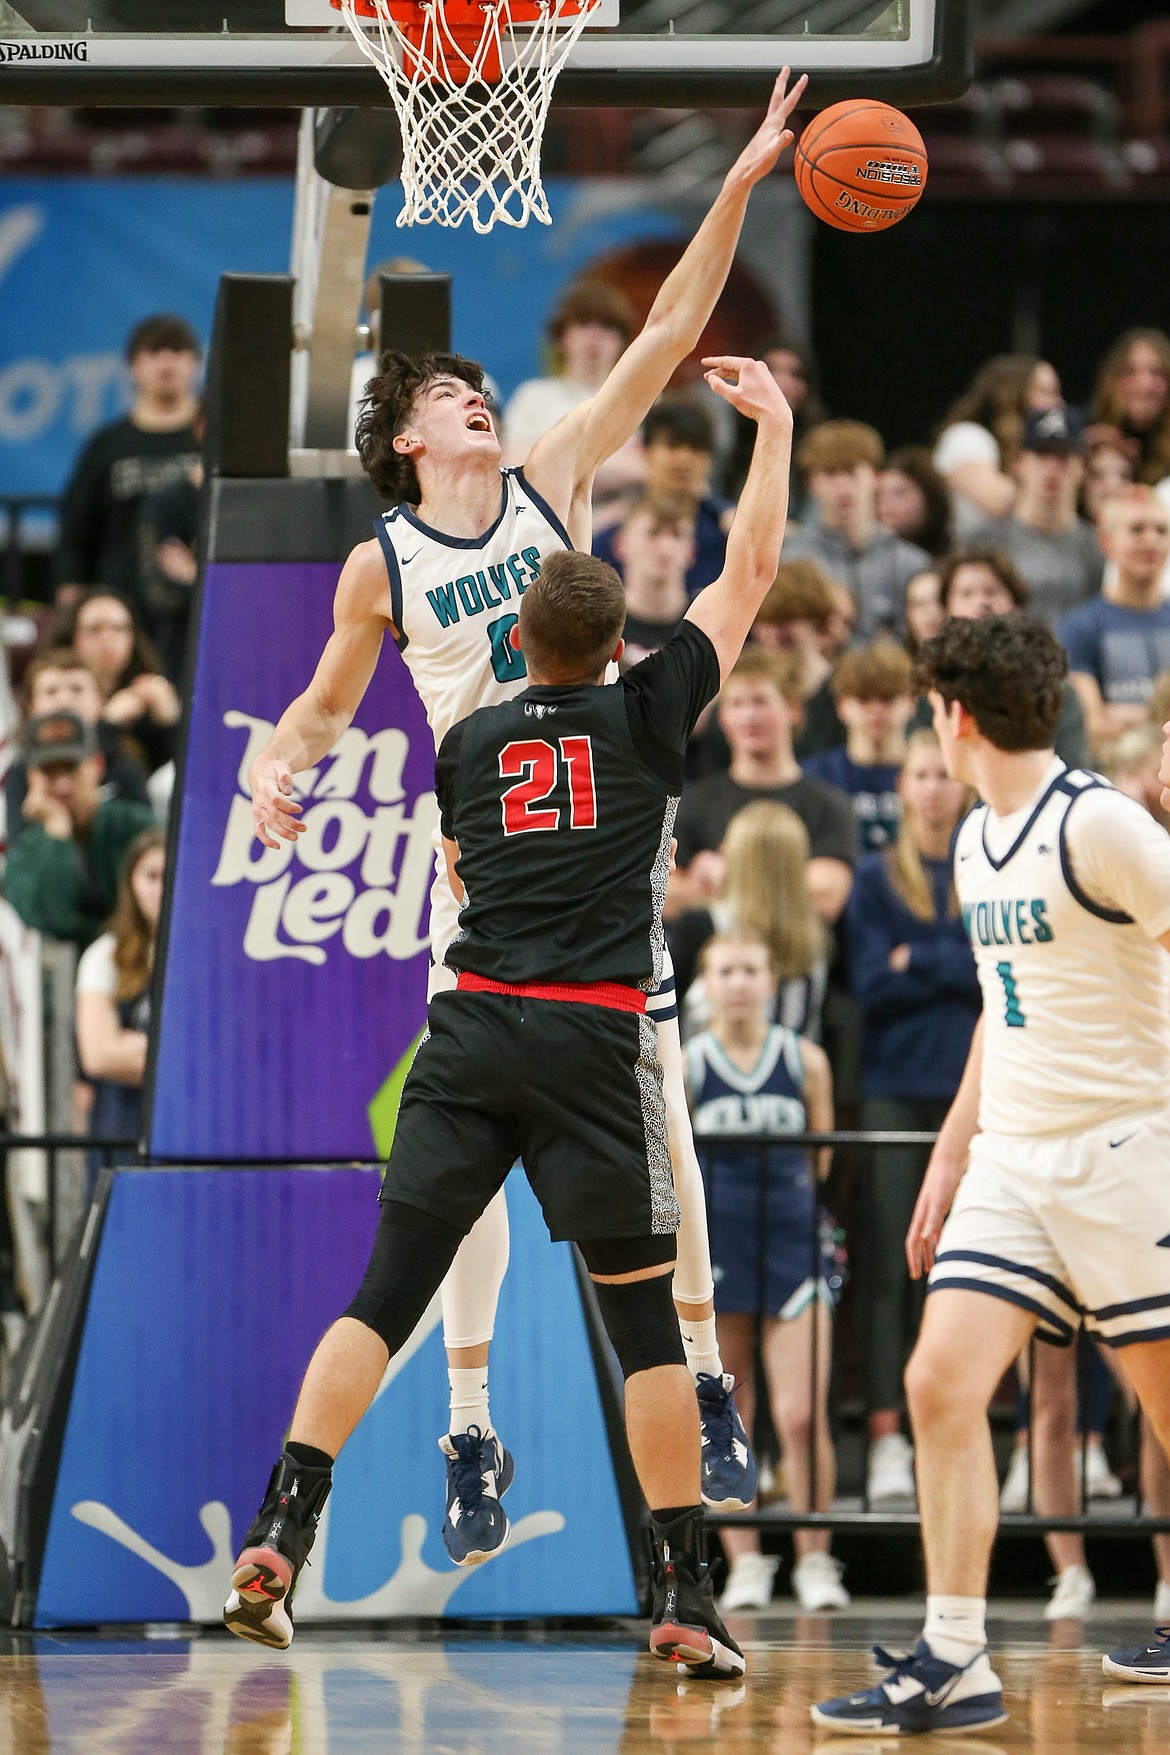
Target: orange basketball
point(860, 165)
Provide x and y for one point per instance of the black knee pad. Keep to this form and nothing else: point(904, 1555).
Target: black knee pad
point(640, 1321)
point(408, 1263)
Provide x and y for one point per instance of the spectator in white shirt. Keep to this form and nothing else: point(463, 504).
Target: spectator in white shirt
point(587, 334)
point(980, 437)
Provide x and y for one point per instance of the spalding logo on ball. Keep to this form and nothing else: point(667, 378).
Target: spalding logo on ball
point(860, 165)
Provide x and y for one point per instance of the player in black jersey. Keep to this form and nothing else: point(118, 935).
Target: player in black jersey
point(557, 811)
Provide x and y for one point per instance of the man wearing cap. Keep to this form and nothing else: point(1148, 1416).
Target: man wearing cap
point(62, 874)
point(1053, 550)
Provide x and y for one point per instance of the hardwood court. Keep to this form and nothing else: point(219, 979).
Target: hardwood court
point(351, 1693)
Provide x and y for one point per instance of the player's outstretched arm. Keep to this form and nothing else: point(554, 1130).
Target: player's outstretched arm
point(727, 608)
point(310, 727)
point(566, 459)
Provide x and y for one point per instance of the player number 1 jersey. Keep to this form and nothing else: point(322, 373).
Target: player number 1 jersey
point(1076, 992)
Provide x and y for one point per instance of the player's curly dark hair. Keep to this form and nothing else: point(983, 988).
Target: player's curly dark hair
point(386, 409)
point(1008, 672)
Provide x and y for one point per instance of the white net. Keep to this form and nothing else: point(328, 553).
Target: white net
point(472, 108)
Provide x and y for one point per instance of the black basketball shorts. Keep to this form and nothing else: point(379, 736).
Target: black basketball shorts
point(573, 1090)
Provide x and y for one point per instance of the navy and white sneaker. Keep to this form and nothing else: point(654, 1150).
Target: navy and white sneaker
point(921, 1693)
point(729, 1468)
point(479, 1473)
point(1150, 1663)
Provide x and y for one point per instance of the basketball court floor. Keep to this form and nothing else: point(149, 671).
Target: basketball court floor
point(509, 1692)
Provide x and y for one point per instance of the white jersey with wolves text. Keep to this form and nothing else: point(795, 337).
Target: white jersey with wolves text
point(1063, 903)
point(455, 600)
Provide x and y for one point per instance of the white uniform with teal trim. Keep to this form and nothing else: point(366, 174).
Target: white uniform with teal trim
point(454, 601)
point(1065, 1206)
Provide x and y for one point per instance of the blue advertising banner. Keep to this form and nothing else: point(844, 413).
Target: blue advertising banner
point(210, 1290)
point(295, 980)
point(83, 259)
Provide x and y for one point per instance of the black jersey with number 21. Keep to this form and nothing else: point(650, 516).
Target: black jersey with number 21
point(562, 802)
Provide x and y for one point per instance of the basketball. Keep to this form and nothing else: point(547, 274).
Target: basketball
point(860, 165)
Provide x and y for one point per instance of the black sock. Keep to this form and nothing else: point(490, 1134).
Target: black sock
point(307, 1457)
point(671, 1514)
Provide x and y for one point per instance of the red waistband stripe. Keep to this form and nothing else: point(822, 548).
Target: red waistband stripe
point(609, 994)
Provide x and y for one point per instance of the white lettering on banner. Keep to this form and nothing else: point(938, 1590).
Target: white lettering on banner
point(336, 884)
point(36, 393)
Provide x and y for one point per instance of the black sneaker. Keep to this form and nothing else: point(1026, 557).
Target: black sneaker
point(686, 1626)
point(275, 1549)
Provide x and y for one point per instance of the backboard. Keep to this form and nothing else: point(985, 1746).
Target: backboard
point(687, 53)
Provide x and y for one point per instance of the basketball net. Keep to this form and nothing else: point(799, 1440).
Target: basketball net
point(471, 82)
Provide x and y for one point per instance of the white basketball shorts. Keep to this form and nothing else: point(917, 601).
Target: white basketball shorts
point(1075, 1229)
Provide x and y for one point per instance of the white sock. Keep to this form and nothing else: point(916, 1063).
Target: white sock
point(469, 1399)
point(955, 1627)
point(701, 1346)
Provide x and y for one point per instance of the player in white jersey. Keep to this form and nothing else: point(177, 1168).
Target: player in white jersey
point(1052, 1162)
point(444, 576)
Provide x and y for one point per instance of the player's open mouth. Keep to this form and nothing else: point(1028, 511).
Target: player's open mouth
point(479, 423)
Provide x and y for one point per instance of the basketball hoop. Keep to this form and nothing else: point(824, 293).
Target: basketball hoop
point(471, 82)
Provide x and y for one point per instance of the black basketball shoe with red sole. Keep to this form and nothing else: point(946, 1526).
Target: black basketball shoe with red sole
point(275, 1548)
point(686, 1626)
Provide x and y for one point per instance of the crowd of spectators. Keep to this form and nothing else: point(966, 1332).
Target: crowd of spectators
point(814, 829)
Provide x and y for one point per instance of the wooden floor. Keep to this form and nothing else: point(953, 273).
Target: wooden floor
point(341, 1693)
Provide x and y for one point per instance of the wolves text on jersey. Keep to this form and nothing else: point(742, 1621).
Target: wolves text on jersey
point(487, 588)
point(1017, 922)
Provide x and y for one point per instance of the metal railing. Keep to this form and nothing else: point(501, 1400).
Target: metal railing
point(851, 1511)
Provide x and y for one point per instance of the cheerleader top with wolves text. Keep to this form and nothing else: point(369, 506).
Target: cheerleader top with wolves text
point(728, 1104)
point(1063, 902)
point(455, 600)
point(562, 803)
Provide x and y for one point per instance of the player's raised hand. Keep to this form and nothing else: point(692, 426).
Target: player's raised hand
point(274, 809)
point(749, 387)
point(773, 135)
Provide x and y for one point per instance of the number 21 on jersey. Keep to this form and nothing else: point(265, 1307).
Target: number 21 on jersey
point(535, 766)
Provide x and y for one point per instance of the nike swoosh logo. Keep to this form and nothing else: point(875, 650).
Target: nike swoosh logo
point(963, 856)
point(1125, 1136)
point(406, 559)
point(938, 1698)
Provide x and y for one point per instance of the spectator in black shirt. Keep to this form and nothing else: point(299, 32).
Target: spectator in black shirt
point(759, 707)
point(168, 540)
point(653, 547)
point(679, 439)
point(62, 682)
point(139, 702)
point(145, 451)
point(796, 616)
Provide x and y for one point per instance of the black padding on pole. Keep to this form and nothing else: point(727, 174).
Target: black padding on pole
point(248, 376)
point(357, 149)
point(416, 313)
point(299, 519)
